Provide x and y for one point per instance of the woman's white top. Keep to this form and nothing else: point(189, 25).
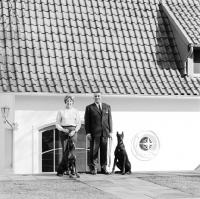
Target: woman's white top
point(68, 117)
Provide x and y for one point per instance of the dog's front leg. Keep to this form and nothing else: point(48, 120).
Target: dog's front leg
point(124, 163)
point(77, 175)
point(70, 173)
point(69, 170)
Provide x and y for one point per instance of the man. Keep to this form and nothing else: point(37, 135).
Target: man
point(98, 126)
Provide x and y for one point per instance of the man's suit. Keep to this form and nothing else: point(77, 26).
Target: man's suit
point(98, 123)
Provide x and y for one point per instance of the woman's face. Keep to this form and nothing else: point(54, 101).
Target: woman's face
point(69, 103)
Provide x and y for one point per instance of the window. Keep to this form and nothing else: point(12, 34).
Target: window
point(52, 150)
point(196, 61)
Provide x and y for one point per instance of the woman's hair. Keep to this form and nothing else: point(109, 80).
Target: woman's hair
point(69, 97)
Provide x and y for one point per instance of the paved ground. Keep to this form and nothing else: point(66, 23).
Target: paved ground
point(125, 187)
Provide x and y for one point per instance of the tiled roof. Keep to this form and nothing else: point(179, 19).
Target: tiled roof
point(83, 46)
point(187, 12)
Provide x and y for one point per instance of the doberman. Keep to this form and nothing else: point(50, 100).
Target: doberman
point(68, 162)
point(121, 157)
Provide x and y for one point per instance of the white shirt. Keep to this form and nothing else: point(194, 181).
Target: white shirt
point(98, 106)
point(68, 117)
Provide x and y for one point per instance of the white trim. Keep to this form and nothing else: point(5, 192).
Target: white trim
point(46, 124)
point(155, 96)
point(32, 150)
point(190, 62)
point(54, 148)
point(196, 75)
point(36, 130)
point(14, 131)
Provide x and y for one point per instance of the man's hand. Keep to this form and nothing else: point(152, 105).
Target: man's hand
point(89, 136)
point(110, 136)
point(72, 133)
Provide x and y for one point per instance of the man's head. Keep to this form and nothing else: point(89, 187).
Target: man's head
point(97, 97)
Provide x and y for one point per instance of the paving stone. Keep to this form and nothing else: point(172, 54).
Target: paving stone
point(5, 178)
point(124, 187)
point(18, 177)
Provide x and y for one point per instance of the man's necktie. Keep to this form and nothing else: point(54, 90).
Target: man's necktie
point(99, 108)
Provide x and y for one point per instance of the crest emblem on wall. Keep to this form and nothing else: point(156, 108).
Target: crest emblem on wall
point(145, 145)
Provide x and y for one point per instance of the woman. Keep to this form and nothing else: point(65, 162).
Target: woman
point(68, 122)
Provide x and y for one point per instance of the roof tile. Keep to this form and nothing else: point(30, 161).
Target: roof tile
point(186, 13)
point(86, 46)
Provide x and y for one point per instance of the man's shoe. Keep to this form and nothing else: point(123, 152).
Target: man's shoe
point(104, 171)
point(94, 172)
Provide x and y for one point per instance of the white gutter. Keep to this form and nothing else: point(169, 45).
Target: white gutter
point(191, 49)
point(104, 95)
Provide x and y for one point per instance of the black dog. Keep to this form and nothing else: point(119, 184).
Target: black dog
point(68, 162)
point(121, 157)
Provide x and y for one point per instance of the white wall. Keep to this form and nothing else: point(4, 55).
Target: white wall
point(9, 101)
point(32, 113)
point(175, 122)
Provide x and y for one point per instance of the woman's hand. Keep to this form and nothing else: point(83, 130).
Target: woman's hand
point(72, 133)
point(66, 131)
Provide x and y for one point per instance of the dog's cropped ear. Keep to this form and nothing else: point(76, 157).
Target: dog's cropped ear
point(117, 133)
point(122, 133)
